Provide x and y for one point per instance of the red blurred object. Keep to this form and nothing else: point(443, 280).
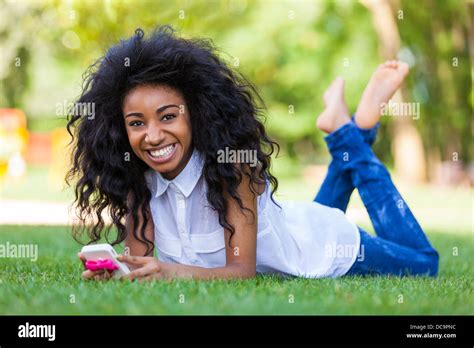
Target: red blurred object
point(39, 149)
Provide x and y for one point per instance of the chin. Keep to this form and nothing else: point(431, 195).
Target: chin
point(165, 167)
point(168, 168)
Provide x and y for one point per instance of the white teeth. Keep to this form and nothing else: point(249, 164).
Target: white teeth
point(163, 152)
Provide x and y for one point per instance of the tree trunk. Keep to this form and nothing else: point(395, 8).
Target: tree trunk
point(407, 146)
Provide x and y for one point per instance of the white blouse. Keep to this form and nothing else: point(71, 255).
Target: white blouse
point(304, 239)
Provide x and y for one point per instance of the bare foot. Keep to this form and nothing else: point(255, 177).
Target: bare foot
point(386, 79)
point(336, 113)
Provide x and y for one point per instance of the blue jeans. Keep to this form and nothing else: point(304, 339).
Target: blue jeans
point(400, 247)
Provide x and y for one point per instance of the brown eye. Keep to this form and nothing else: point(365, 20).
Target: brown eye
point(168, 117)
point(135, 123)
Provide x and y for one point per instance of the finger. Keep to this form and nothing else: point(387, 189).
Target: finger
point(139, 273)
point(88, 274)
point(102, 276)
point(109, 274)
point(147, 278)
point(133, 267)
point(82, 258)
point(152, 270)
point(154, 276)
point(105, 276)
point(134, 260)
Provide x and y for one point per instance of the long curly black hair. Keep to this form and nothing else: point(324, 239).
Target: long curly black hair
point(224, 109)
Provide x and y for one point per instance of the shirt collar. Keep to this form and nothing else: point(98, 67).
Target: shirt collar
point(186, 180)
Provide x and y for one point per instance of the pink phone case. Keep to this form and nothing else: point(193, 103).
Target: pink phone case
point(95, 265)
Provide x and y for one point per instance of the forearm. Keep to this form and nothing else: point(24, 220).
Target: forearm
point(234, 271)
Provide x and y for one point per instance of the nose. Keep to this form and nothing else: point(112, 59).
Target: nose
point(154, 134)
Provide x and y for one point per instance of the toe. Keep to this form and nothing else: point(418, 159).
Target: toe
point(404, 67)
point(339, 83)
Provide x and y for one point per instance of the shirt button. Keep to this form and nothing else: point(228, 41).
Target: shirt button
point(194, 261)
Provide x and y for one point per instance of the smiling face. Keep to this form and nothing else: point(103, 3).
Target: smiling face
point(158, 128)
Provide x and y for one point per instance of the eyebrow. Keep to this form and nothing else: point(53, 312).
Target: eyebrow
point(159, 110)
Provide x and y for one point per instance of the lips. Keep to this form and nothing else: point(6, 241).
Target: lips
point(163, 154)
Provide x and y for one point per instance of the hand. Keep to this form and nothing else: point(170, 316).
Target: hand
point(145, 268)
point(101, 274)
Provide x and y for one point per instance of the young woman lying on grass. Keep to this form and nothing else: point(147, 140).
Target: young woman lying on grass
point(165, 109)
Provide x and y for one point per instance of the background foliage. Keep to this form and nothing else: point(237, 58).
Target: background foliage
point(291, 50)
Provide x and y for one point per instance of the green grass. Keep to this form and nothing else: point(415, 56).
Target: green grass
point(46, 286)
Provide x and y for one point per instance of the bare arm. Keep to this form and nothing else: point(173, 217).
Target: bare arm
point(240, 255)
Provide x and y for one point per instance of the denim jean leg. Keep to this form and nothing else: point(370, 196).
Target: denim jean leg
point(370, 134)
point(378, 256)
point(389, 213)
point(337, 187)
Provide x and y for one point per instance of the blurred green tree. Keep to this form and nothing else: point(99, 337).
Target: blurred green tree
point(291, 51)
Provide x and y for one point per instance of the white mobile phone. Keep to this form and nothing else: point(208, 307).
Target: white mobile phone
point(105, 251)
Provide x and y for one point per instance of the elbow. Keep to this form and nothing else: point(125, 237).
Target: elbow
point(243, 271)
point(249, 275)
